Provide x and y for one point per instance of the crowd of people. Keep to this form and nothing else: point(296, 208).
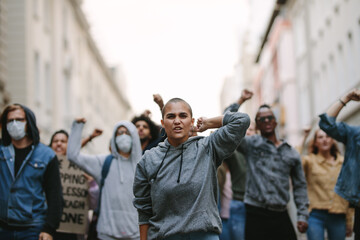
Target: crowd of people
point(166, 182)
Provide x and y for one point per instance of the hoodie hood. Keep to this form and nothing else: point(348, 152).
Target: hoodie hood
point(165, 144)
point(32, 131)
point(135, 152)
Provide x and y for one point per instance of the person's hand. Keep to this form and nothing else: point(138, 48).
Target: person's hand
point(97, 132)
point(147, 113)
point(302, 226)
point(306, 132)
point(193, 132)
point(88, 177)
point(353, 95)
point(45, 236)
point(158, 99)
point(200, 125)
point(80, 120)
point(349, 231)
point(246, 94)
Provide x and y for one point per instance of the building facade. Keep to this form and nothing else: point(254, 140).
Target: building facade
point(4, 95)
point(56, 69)
point(327, 53)
point(307, 60)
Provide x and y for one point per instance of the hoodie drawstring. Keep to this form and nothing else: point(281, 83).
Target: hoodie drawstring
point(181, 162)
point(161, 163)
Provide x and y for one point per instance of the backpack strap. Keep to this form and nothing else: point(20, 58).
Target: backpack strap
point(104, 172)
point(105, 169)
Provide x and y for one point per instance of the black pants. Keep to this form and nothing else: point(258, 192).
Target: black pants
point(263, 224)
point(357, 223)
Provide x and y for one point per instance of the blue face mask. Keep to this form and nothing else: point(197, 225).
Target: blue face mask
point(16, 129)
point(124, 143)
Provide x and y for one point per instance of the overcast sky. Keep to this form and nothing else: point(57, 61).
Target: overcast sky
point(177, 48)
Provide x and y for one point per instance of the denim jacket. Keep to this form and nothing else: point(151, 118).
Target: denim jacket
point(22, 199)
point(269, 170)
point(348, 183)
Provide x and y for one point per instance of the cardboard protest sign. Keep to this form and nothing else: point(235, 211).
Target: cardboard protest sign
point(76, 202)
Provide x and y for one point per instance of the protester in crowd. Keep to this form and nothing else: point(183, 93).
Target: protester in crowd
point(30, 192)
point(58, 143)
point(328, 211)
point(175, 183)
point(224, 180)
point(234, 226)
point(303, 147)
point(270, 164)
point(348, 182)
point(149, 132)
point(118, 218)
point(159, 101)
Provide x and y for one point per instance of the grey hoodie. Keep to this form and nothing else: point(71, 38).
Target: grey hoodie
point(176, 188)
point(118, 217)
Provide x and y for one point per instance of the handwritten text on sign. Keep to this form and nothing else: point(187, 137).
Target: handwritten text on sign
point(75, 192)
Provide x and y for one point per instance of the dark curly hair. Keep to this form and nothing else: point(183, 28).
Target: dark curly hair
point(57, 132)
point(154, 129)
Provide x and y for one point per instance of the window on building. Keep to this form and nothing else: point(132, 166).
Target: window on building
point(37, 79)
point(351, 60)
point(67, 99)
point(65, 26)
point(48, 88)
point(35, 6)
point(47, 14)
point(332, 76)
point(89, 84)
point(341, 66)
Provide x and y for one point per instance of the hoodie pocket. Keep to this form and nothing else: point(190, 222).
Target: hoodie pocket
point(199, 221)
point(119, 224)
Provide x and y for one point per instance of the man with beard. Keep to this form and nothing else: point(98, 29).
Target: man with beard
point(149, 133)
point(271, 163)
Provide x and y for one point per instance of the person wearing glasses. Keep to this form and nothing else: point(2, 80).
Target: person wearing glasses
point(271, 164)
point(118, 217)
point(31, 200)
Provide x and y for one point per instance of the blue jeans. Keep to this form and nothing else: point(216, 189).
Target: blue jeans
point(237, 220)
point(234, 227)
point(319, 220)
point(23, 234)
point(225, 233)
point(195, 236)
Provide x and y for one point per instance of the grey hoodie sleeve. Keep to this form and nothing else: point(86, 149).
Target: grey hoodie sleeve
point(232, 108)
point(142, 187)
point(225, 140)
point(90, 164)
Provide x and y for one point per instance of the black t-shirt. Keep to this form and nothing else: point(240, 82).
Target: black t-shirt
point(20, 155)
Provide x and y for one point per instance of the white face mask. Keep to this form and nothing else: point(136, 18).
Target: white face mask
point(16, 129)
point(124, 143)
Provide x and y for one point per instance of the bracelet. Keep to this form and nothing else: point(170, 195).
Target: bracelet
point(342, 102)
